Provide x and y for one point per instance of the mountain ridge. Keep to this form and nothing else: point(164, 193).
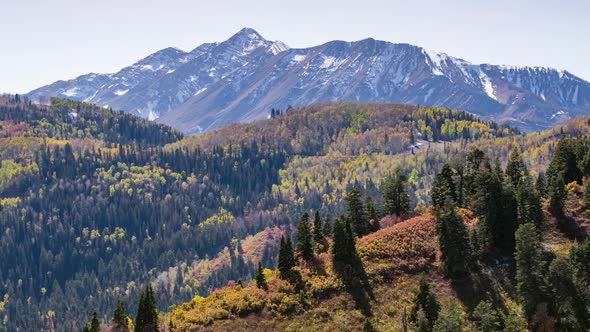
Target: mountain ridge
point(242, 78)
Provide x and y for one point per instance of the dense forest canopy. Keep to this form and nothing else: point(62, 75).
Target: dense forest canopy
point(97, 204)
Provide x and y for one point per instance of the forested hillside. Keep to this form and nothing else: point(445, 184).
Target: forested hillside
point(496, 251)
point(96, 205)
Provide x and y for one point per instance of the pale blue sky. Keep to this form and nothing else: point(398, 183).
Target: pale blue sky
point(46, 40)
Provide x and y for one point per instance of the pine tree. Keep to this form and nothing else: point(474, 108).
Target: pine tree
point(425, 301)
point(443, 187)
point(327, 230)
point(140, 317)
point(541, 185)
point(318, 234)
point(453, 240)
point(569, 304)
point(529, 203)
point(120, 314)
point(516, 169)
point(260, 278)
point(94, 324)
point(530, 268)
point(286, 258)
point(357, 213)
point(396, 200)
point(564, 163)
point(486, 317)
point(146, 319)
point(450, 318)
point(557, 195)
point(374, 224)
point(304, 238)
point(343, 248)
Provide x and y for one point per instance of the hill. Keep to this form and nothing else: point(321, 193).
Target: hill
point(405, 271)
point(97, 204)
point(242, 78)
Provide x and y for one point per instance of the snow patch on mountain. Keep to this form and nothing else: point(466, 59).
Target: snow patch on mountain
point(71, 92)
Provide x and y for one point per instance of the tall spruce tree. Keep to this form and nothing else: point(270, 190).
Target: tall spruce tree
point(357, 213)
point(396, 200)
point(530, 268)
point(343, 248)
point(570, 304)
point(260, 278)
point(529, 203)
point(120, 314)
point(147, 313)
point(557, 195)
point(516, 169)
point(443, 187)
point(450, 318)
point(318, 234)
point(453, 240)
point(541, 184)
point(304, 238)
point(327, 229)
point(372, 213)
point(426, 302)
point(486, 317)
point(565, 163)
point(94, 323)
point(286, 258)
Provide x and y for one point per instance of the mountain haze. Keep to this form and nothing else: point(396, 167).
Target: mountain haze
point(242, 78)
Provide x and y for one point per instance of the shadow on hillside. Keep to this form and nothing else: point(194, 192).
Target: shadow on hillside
point(357, 284)
point(571, 228)
point(479, 286)
point(317, 266)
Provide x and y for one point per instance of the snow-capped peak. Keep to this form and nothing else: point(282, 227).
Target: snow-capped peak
point(278, 47)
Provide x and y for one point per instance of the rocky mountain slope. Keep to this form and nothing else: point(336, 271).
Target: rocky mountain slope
point(242, 78)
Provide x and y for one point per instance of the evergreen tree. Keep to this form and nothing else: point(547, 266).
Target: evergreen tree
point(564, 163)
point(426, 301)
point(343, 248)
point(396, 200)
point(515, 319)
point(443, 187)
point(260, 278)
point(304, 238)
point(357, 213)
point(557, 195)
point(486, 317)
point(318, 234)
point(529, 203)
point(450, 318)
point(372, 214)
point(531, 283)
point(453, 240)
point(94, 324)
point(516, 169)
point(120, 314)
point(327, 228)
point(541, 185)
point(146, 319)
point(286, 258)
point(568, 303)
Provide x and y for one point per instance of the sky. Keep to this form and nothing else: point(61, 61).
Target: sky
point(47, 40)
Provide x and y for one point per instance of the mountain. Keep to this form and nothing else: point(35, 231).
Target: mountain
point(242, 78)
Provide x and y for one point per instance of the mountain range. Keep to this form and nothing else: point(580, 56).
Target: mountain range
point(242, 78)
